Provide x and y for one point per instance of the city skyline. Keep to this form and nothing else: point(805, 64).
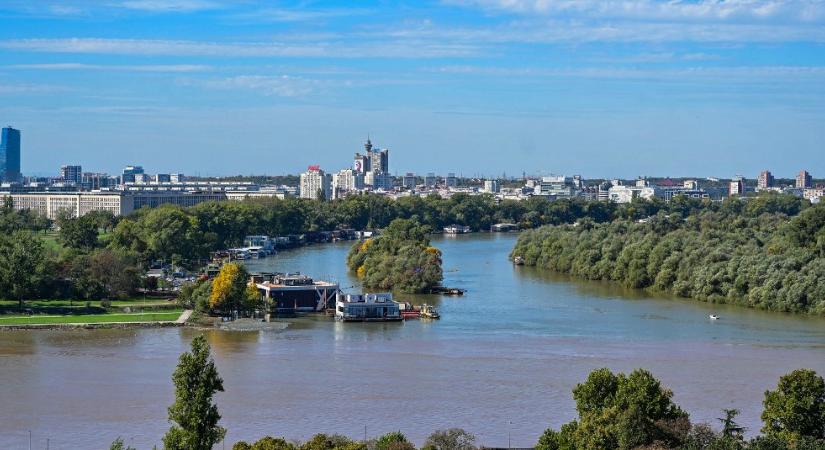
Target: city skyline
point(212, 87)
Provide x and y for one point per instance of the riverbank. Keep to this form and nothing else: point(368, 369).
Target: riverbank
point(91, 321)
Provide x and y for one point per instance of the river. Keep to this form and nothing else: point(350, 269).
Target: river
point(500, 363)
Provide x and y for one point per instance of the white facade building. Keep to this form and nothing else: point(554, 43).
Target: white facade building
point(315, 181)
point(626, 194)
point(345, 181)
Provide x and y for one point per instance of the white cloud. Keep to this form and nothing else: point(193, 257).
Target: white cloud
point(407, 48)
point(29, 88)
point(170, 5)
point(281, 86)
point(722, 74)
point(297, 14)
point(175, 68)
point(802, 10)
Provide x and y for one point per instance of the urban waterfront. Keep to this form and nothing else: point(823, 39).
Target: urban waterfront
point(501, 361)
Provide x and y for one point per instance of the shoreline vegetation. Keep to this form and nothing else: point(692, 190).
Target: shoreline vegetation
point(615, 411)
point(400, 260)
point(738, 251)
point(767, 253)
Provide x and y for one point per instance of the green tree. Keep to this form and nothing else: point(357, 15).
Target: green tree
point(23, 266)
point(450, 439)
point(730, 429)
point(796, 408)
point(394, 440)
point(118, 444)
point(78, 232)
point(193, 415)
point(231, 289)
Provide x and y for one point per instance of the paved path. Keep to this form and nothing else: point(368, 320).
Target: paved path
point(184, 316)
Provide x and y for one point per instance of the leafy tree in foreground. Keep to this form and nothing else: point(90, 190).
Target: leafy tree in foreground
point(451, 439)
point(119, 445)
point(193, 414)
point(618, 411)
point(796, 409)
point(393, 441)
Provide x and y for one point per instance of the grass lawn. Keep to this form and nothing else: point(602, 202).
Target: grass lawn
point(90, 318)
point(135, 301)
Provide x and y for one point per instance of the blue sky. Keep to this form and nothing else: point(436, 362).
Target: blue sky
point(600, 88)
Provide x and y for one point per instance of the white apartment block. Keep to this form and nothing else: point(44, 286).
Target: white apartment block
point(314, 181)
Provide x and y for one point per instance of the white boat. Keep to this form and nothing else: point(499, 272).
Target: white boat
point(713, 317)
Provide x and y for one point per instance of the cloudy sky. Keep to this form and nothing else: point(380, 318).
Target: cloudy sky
point(594, 87)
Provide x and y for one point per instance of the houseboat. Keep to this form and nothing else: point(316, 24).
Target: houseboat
point(457, 229)
point(289, 294)
point(366, 308)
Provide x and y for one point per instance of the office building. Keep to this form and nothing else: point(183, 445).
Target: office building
point(129, 174)
point(315, 184)
point(555, 186)
point(361, 163)
point(71, 174)
point(95, 181)
point(803, 180)
point(451, 180)
point(163, 178)
point(765, 180)
point(10, 155)
point(379, 180)
point(409, 181)
point(430, 180)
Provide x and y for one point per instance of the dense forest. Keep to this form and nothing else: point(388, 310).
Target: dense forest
point(766, 253)
point(401, 259)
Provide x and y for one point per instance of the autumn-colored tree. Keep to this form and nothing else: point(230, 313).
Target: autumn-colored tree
point(230, 289)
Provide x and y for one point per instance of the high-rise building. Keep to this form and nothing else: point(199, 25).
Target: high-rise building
point(361, 163)
point(491, 186)
point(71, 174)
point(10, 155)
point(129, 173)
point(737, 187)
point(347, 180)
point(315, 184)
point(409, 181)
point(803, 180)
point(430, 180)
point(451, 180)
point(765, 180)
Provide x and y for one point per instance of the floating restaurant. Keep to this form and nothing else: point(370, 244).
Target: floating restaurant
point(288, 294)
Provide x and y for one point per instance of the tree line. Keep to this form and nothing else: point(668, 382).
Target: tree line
point(102, 256)
point(773, 260)
point(616, 411)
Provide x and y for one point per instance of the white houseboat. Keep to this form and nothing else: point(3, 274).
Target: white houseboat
point(366, 308)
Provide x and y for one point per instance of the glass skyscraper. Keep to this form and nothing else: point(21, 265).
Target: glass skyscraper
point(10, 155)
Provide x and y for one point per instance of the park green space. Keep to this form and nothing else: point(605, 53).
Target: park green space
point(90, 318)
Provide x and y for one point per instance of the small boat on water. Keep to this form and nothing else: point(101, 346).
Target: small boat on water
point(429, 312)
point(713, 317)
point(518, 260)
